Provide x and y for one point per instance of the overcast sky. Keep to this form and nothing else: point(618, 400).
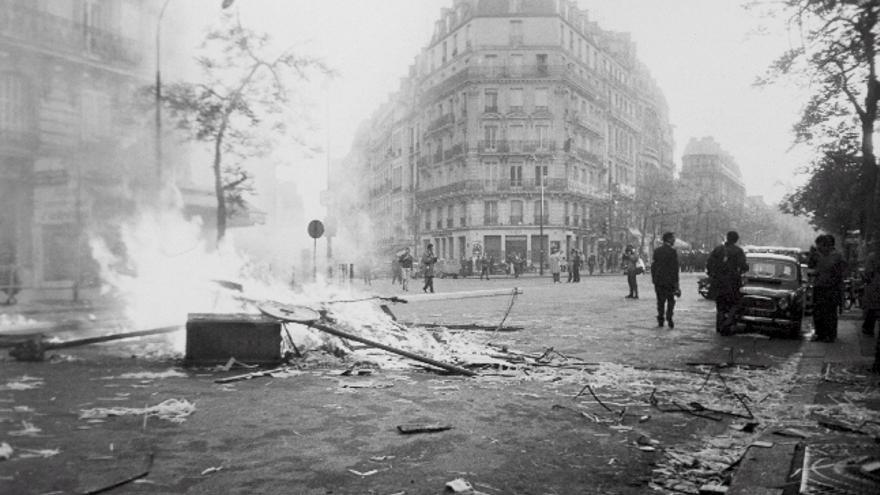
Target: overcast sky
point(701, 52)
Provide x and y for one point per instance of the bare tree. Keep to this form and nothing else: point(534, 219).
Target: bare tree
point(239, 106)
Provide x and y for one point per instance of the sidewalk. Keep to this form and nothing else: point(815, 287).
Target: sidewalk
point(838, 453)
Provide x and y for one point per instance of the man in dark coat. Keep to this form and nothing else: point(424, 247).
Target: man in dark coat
point(726, 266)
point(664, 275)
point(827, 288)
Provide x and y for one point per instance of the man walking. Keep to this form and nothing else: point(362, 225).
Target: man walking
point(726, 266)
point(827, 288)
point(428, 261)
point(664, 275)
point(406, 264)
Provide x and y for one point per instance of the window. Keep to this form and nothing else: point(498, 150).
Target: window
point(16, 109)
point(516, 212)
point(491, 63)
point(490, 137)
point(516, 175)
point(541, 99)
point(516, 33)
point(541, 207)
point(540, 174)
point(443, 58)
point(490, 213)
point(463, 218)
point(455, 44)
point(450, 215)
point(439, 217)
point(541, 62)
point(576, 210)
point(516, 65)
point(567, 219)
point(542, 133)
point(491, 100)
point(427, 219)
point(516, 100)
point(515, 137)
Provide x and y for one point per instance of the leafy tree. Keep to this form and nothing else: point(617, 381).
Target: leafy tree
point(836, 56)
point(827, 197)
point(655, 207)
point(239, 106)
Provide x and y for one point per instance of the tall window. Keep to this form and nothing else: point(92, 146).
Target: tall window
point(491, 63)
point(490, 137)
point(516, 175)
point(439, 217)
point(450, 216)
point(516, 212)
point(515, 137)
point(541, 62)
point(491, 98)
point(516, 32)
point(538, 210)
point(16, 108)
point(490, 212)
point(516, 65)
point(542, 135)
point(540, 172)
point(516, 100)
point(541, 99)
point(462, 221)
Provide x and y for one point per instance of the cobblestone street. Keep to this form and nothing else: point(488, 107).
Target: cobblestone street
point(531, 430)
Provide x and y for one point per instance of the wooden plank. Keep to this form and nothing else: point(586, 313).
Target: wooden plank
point(763, 470)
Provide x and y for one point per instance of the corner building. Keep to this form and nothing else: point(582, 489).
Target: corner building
point(522, 126)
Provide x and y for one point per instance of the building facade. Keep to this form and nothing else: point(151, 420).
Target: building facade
point(715, 178)
point(69, 69)
point(521, 127)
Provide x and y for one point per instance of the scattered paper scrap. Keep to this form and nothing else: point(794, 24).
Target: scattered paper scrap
point(44, 453)
point(5, 451)
point(23, 383)
point(762, 444)
point(151, 375)
point(870, 467)
point(380, 458)
point(367, 473)
point(212, 470)
point(459, 485)
point(423, 428)
point(174, 410)
point(28, 430)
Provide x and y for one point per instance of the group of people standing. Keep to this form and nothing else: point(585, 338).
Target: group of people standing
point(402, 268)
point(572, 264)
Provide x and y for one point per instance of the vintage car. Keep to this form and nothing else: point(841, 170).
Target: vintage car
point(773, 293)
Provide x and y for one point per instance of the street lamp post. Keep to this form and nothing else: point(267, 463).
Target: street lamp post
point(541, 224)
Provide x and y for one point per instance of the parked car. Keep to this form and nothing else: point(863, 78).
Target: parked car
point(774, 293)
point(442, 269)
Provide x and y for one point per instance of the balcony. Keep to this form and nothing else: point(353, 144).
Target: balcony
point(58, 34)
point(490, 220)
point(494, 146)
point(516, 220)
point(537, 219)
point(455, 150)
point(588, 156)
point(491, 109)
point(441, 122)
point(592, 124)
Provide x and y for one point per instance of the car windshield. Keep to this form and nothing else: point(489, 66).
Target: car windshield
point(771, 269)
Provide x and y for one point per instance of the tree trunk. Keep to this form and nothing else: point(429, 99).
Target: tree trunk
point(218, 189)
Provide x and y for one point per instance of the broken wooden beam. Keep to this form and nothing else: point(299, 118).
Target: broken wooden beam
point(35, 349)
point(470, 294)
point(282, 314)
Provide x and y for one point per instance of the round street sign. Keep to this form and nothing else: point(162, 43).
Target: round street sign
point(316, 229)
